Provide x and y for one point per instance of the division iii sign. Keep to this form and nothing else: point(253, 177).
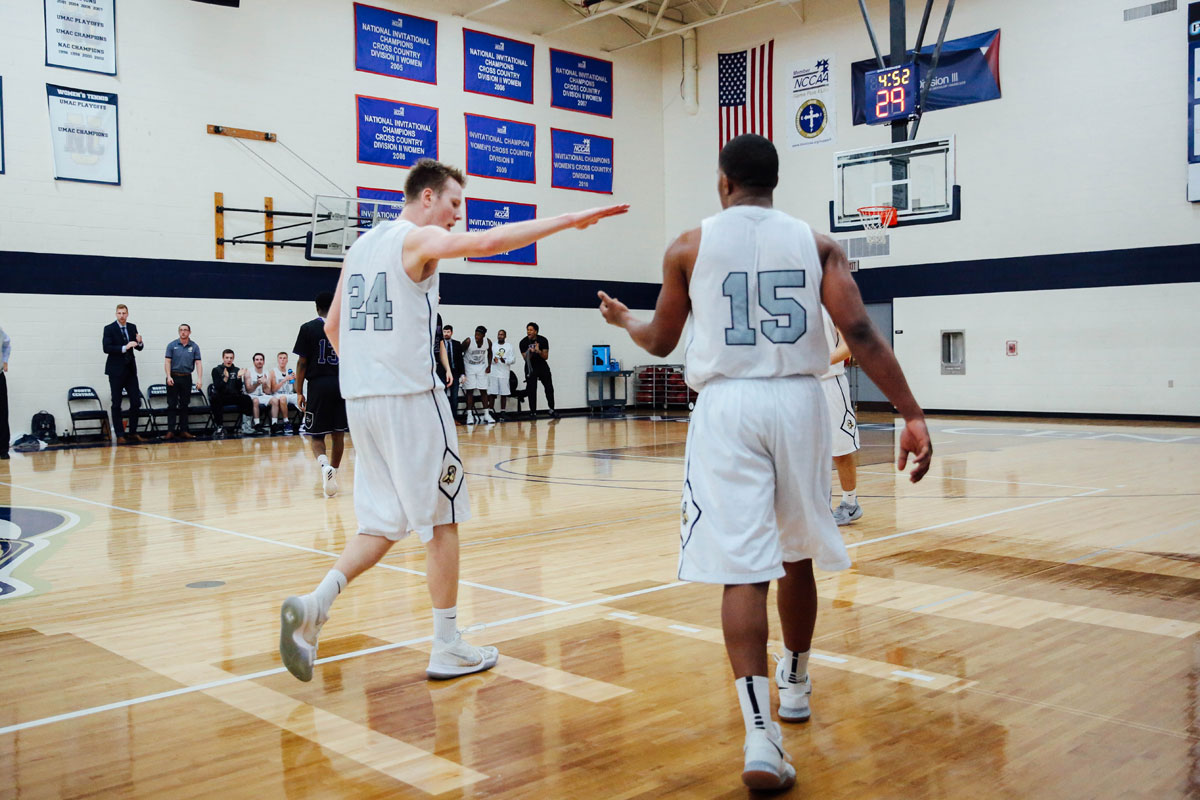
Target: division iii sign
point(811, 105)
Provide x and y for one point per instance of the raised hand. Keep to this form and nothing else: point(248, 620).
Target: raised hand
point(612, 309)
point(914, 441)
point(583, 219)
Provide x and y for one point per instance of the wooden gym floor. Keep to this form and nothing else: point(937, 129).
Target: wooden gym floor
point(1022, 624)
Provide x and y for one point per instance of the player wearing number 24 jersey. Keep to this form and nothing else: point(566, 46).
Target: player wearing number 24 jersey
point(407, 475)
point(756, 468)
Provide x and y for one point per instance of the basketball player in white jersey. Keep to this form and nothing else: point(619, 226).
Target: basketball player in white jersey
point(756, 473)
point(504, 355)
point(843, 421)
point(408, 475)
point(477, 358)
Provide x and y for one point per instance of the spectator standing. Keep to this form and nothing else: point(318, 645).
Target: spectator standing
point(5, 433)
point(536, 349)
point(182, 361)
point(458, 368)
point(120, 339)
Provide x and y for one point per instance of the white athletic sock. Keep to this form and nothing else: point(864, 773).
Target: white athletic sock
point(274, 420)
point(445, 624)
point(329, 588)
point(754, 695)
point(795, 665)
point(322, 460)
point(850, 498)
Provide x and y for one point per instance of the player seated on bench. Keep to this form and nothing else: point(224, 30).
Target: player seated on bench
point(283, 389)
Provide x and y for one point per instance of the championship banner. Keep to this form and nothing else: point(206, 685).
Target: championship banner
point(391, 203)
point(500, 148)
point(580, 83)
point(812, 118)
point(395, 44)
point(484, 214)
point(83, 132)
point(581, 161)
point(395, 134)
point(968, 71)
point(81, 34)
point(497, 66)
point(1193, 182)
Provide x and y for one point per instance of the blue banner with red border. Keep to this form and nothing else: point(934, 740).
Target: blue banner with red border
point(390, 204)
point(395, 134)
point(497, 66)
point(395, 44)
point(485, 214)
point(968, 71)
point(581, 83)
point(500, 148)
point(581, 161)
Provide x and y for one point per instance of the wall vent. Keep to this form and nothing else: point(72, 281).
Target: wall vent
point(857, 247)
point(1141, 12)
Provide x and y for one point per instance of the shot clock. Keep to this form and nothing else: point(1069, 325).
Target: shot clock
point(892, 93)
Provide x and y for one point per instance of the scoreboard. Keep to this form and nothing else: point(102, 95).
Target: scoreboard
point(892, 93)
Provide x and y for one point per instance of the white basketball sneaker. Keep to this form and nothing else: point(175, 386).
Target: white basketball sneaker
point(451, 659)
point(299, 627)
point(488, 418)
point(329, 482)
point(767, 767)
point(793, 694)
point(470, 417)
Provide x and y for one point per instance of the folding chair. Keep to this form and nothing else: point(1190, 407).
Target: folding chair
point(147, 424)
point(198, 407)
point(221, 412)
point(157, 412)
point(79, 400)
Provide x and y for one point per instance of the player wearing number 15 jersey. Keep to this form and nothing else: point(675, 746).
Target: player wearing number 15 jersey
point(756, 467)
point(321, 402)
point(407, 475)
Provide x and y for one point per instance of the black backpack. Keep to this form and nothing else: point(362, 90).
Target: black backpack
point(42, 426)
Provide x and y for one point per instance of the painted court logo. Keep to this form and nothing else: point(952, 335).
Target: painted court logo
point(24, 533)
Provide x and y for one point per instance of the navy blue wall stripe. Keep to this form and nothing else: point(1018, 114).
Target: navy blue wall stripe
point(52, 273)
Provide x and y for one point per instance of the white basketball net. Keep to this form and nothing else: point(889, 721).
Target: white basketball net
point(873, 226)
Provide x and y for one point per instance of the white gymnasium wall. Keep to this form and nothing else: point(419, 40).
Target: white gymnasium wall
point(286, 68)
point(1115, 350)
point(1043, 170)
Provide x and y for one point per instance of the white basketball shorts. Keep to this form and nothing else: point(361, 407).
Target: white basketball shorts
point(407, 473)
point(756, 482)
point(843, 423)
point(290, 397)
point(498, 384)
point(475, 381)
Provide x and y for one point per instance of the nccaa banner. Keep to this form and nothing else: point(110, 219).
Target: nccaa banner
point(395, 134)
point(484, 214)
point(389, 203)
point(500, 148)
point(812, 118)
point(395, 44)
point(581, 161)
point(81, 34)
point(497, 66)
point(581, 83)
point(83, 132)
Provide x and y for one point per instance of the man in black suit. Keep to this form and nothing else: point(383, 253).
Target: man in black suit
point(120, 340)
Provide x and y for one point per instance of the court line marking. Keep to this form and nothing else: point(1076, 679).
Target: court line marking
point(972, 519)
point(981, 480)
point(599, 601)
point(265, 540)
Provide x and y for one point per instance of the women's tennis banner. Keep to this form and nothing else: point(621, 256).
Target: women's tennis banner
point(581, 83)
point(500, 148)
point(395, 134)
point(83, 132)
point(581, 161)
point(81, 34)
point(395, 44)
point(497, 66)
point(484, 214)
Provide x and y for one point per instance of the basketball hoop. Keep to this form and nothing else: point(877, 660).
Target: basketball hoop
point(875, 219)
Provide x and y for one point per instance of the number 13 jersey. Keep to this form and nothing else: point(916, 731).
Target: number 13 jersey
point(756, 299)
point(387, 323)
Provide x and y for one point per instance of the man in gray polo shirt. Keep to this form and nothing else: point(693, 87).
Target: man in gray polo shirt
point(182, 361)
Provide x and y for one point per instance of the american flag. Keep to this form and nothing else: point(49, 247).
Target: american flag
point(744, 92)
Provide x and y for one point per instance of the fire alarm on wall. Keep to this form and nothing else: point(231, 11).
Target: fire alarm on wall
point(1010, 348)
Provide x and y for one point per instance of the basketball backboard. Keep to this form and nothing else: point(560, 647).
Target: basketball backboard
point(915, 177)
point(337, 222)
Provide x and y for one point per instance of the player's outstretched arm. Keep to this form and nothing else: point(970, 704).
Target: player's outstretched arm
point(840, 295)
point(334, 318)
point(431, 243)
point(660, 335)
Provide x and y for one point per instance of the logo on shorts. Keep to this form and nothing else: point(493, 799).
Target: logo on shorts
point(683, 513)
point(308, 421)
point(848, 424)
point(451, 474)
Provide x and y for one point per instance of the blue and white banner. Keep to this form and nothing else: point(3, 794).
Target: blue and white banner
point(581, 83)
point(83, 133)
point(1194, 83)
point(500, 148)
point(581, 161)
point(497, 66)
point(395, 134)
point(968, 71)
point(390, 204)
point(484, 214)
point(81, 34)
point(812, 118)
point(395, 44)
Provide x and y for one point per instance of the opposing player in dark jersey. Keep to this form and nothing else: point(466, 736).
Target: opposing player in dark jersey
point(321, 401)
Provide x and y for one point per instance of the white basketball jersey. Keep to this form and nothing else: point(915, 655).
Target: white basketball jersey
point(387, 325)
point(505, 355)
point(475, 356)
point(756, 299)
point(834, 338)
